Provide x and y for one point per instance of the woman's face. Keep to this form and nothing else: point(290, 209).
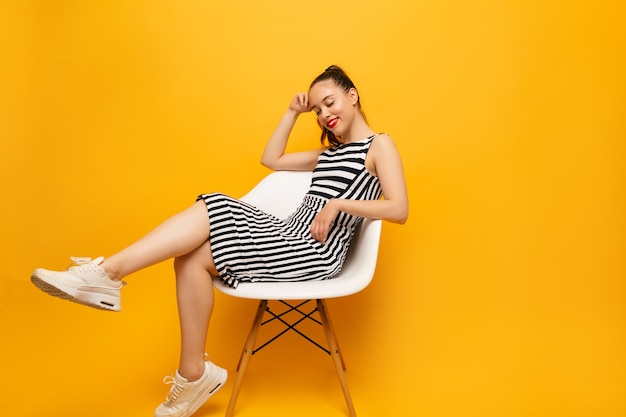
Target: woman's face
point(335, 108)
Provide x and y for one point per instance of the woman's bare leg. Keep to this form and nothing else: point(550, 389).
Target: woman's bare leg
point(194, 292)
point(184, 237)
point(177, 236)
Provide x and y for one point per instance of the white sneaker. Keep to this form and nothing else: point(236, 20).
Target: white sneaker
point(184, 397)
point(85, 283)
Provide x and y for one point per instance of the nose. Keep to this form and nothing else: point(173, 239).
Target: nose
point(324, 113)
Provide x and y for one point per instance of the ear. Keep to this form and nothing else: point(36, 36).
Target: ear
point(354, 95)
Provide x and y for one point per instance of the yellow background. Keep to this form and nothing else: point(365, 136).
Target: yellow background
point(503, 295)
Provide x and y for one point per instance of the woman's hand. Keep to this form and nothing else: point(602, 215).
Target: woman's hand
point(300, 103)
point(323, 221)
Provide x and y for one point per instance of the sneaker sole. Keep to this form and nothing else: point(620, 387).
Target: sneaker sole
point(90, 299)
point(204, 396)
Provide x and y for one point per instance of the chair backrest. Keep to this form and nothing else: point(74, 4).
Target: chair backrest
point(280, 193)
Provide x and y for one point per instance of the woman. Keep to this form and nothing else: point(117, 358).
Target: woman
point(239, 243)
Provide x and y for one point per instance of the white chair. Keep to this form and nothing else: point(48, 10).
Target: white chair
point(280, 193)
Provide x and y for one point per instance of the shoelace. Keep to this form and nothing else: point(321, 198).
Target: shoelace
point(175, 390)
point(82, 264)
point(177, 387)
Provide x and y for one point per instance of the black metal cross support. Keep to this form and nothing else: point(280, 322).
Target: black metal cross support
point(291, 326)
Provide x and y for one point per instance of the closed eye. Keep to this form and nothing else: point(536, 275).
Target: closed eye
point(318, 111)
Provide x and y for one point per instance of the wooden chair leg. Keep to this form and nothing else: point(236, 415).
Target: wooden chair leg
point(336, 354)
point(332, 330)
point(242, 366)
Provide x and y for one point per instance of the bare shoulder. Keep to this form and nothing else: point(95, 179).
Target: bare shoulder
point(383, 153)
point(383, 144)
point(382, 137)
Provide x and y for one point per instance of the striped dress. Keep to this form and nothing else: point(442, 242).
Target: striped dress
point(249, 245)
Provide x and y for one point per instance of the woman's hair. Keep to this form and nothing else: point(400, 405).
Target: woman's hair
point(342, 80)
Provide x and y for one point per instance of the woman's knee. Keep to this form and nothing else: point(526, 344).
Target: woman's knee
point(200, 258)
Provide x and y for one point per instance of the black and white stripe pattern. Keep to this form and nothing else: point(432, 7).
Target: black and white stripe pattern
point(250, 245)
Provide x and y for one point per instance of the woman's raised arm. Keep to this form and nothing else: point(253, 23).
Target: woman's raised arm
point(274, 156)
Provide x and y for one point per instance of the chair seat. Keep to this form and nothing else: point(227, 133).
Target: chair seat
point(291, 290)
